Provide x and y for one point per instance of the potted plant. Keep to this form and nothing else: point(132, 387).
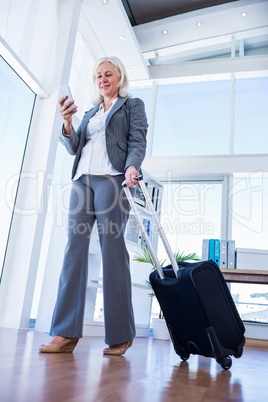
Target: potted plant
point(160, 330)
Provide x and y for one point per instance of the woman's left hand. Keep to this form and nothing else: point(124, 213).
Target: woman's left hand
point(130, 175)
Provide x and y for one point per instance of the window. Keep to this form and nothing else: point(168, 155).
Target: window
point(249, 195)
point(16, 106)
point(249, 211)
point(251, 118)
point(80, 80)
point(192, 119)
point(191, 211)
point(251, 302)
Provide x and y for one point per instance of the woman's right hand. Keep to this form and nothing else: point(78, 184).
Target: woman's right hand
point(67, 110)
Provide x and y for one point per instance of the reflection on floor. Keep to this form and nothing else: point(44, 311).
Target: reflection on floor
point(150, 371)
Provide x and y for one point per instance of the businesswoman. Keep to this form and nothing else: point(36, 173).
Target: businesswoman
point(109, 147)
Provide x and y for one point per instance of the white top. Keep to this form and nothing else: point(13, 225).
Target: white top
point(94, 157)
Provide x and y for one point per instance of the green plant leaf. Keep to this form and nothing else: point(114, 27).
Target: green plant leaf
point(181, 256)
point(152, 294)
point(146, 258)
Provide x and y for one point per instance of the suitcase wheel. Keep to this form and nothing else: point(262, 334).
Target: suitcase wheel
point(184, 356)
point(225, 363)
point(238, 353)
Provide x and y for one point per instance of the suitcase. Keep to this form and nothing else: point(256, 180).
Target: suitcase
point(197, 305)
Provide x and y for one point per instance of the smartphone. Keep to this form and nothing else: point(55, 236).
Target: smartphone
point(65, 91)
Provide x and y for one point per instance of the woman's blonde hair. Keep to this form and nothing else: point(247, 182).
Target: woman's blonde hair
point(122, 74)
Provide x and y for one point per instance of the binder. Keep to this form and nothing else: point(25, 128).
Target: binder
point(231, 254)
point(217, 252)
point(223, 254)
point(211, 254)
point(205, 250)
point(146, 224)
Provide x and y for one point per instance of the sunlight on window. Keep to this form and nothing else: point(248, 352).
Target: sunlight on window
point(251, 117)
point(16, 105)
point(192, 119)
point(190, 213)
point(249, 212)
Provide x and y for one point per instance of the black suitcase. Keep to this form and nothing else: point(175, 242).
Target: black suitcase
point(199, 311)
point(197, 305)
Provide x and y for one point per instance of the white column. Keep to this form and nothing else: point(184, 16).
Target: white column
point(22, 258)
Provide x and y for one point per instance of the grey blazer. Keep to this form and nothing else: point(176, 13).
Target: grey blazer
point(125, 130)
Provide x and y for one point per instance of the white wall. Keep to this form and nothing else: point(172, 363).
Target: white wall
point(174, 168)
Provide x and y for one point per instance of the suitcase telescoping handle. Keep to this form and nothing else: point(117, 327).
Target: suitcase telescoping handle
point(158, 226)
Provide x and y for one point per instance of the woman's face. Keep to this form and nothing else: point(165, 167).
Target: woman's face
point(107, 80)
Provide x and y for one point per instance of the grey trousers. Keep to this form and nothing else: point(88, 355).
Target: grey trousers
point(99, 198)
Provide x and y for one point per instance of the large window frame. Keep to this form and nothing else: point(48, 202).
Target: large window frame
point(12, 180)
point(232, 77)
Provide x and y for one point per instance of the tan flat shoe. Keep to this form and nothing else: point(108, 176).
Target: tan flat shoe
point(66, 346)
point(118, 350)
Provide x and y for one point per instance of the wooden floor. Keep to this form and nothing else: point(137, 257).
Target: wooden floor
point(150, 371)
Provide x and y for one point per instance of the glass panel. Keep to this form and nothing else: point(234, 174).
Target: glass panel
point(190, 213)
point(251, 118)
point(250, 230)
point(249, 212)
point(192, 119)
point(80, 77)
point(251, 302)
point(16, 105)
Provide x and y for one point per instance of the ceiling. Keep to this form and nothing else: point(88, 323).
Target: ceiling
point(142, 11)
point(162, 38)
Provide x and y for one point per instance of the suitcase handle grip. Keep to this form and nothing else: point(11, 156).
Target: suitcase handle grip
point(160, 230)
point(138, 178)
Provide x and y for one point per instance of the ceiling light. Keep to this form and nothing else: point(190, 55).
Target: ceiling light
point(199, 24)
point(134, 67)
point(244, 14)
point(121, 37)
point(164, 32)
point(105, 2)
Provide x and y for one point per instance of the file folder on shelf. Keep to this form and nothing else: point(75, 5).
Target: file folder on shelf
point(217, 252)
point(230, 254)
point(220, 251)
point(223, 254)
point(205, 250)
point(211, 254)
